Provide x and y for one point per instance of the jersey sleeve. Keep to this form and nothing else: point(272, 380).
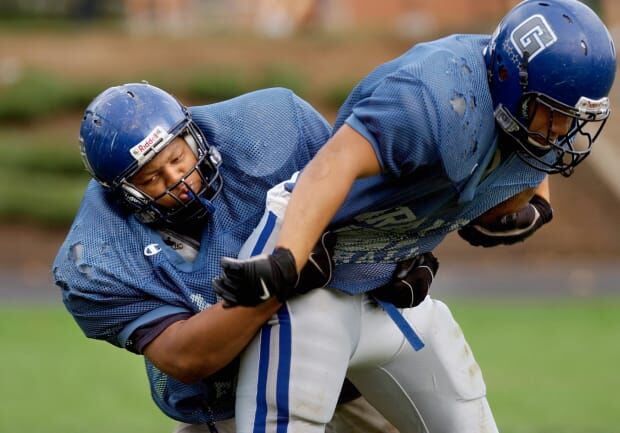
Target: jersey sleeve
point(109, 304)
point(400, 122)
point(146, 333)
point(108, 284)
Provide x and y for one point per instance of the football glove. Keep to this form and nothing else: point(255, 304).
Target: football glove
point(253, 281)
point(411, 281)
point(509, 229)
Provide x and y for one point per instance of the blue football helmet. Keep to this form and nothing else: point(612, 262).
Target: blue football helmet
point(555, 54)
point(124, 128)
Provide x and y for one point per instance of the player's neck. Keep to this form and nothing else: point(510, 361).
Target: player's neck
point(192, 229)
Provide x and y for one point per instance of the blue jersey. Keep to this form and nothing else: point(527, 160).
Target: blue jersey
point(117, 274)
point(429, 117)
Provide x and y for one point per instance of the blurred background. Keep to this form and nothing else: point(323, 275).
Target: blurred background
point(542, 317)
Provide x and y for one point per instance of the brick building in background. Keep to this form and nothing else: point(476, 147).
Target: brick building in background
point(414, 17)
point(406, 17)
point(410, 18)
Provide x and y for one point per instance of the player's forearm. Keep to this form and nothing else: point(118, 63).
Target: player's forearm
point(203, 344)
point(542, 190)
point(322, 188)
point(317, 196)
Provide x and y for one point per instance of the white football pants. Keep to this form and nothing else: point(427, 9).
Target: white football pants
point(356, 416)
point(291, 373)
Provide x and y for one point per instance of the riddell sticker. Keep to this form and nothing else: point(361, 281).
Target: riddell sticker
point(151, 142)
point(598, 107)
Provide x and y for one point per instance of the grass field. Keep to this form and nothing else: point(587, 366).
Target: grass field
point(549, 367)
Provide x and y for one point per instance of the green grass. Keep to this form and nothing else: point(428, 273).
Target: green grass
point(550, 367)
point(335, 94)
point(40, 94)
point(42, 178)
point(36, 153)
point(47, 199)
point(211, 85)
point(55, 380)
point(283, 76)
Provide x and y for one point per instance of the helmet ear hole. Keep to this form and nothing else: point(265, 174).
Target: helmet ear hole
point(134, 195)
point(528, 107)
point(503, 73)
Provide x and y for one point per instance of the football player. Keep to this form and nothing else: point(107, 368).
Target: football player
point(174, 189)
point(424, 145)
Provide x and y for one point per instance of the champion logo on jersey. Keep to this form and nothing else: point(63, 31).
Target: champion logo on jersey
point(151, 250)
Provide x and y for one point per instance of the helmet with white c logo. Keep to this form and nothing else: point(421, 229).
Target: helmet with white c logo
point(555, 54)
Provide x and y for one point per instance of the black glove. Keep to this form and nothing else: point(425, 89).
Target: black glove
point(410, 283)
point(319, 269)
point(253, 281)
point(509, 229)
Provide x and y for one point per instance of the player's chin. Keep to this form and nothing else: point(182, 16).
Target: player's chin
point(168, 203)
point(182, 198)
point(540, 146)
point(174, 199)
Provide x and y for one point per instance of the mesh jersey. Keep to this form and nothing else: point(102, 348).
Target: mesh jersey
point(429, 117)
point(117, 274)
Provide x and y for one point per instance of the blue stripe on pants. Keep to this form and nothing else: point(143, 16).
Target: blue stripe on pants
point(283, 374)
point(260, 418)
point(284, 369)
point(265, 234)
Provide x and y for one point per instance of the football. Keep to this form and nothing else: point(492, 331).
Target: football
point(506, 207)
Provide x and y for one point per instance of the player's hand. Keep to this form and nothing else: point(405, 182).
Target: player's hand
point(411, 281)
point(253, 281)
point(511, 228)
